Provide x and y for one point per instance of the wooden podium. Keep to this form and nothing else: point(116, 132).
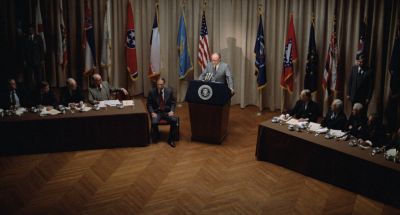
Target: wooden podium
point(209, 105)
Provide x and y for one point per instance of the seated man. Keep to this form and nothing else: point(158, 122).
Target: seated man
point(71, 93)
point(13, 97)
point(395, 141)
point(161, 105)
point(101, 90)
point(335, 118)
point(44, 96)
point(357, 121)
point(305, 109)
point(374, 132)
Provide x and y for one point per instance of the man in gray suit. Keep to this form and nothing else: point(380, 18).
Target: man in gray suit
point(217, 71)
point(101, 90)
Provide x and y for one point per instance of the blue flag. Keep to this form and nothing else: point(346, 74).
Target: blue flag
point(259, 50)
point(183, 50)
point(311, 77)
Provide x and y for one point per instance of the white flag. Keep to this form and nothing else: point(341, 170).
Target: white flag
point(39, 24)
point(106, 46)
point(155, 57)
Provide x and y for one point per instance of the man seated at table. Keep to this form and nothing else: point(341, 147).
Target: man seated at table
point(375, 132)
point(305, 109)
point(161, 105)
point(395, 141)
point(13, 97)
point(71, 93)
point(45, 96)
point(335, 118)
point(357, 122)
point(101, 90)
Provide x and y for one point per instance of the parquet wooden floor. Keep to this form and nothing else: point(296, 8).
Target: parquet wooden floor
point(193, 178)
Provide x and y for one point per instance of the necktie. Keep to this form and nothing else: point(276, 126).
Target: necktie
point(13, 99)
point(162, 102)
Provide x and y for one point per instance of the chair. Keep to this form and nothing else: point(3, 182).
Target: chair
point(165, 122)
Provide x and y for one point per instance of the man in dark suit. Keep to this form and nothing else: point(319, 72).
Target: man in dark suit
point(161, 105)
point(375, 132)
point(71, 93)
point(101, 90)
point(217, 71)
point(335, 118)
point(360, 85)
point(305, 108)
point(357, 122)
point(13, 97)
point(44, 96)
point(34, 58)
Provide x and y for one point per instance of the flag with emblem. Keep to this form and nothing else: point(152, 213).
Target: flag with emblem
point(311, 77)
point(203, 56)
point(362, 39)
point(290, 56)
point(155, 56)
point(183, 49)
point(131, 61)
point(39, 24)
point(259, 50)
point(88, 43)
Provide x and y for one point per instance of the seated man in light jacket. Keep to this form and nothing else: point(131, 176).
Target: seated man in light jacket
point(101, 90)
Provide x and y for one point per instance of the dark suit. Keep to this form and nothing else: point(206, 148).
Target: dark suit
point(103, 93)
point(46, 99)
point(7, 101)
point(155, 104)
point(337, 121)
point(376, 134)
point(71, 96)
point(300, 110)
point(360, 86)
point(356, 125)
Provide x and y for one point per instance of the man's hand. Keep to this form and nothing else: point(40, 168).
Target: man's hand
point(232, 92)
point(154, 115)
point(171, 113)
point(124, 91)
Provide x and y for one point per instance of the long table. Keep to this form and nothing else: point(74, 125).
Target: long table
point(106, 128)
point(332, 161)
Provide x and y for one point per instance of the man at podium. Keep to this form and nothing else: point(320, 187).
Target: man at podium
point(217, 71)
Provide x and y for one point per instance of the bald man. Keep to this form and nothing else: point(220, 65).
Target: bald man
point(71, 93)
point(101, 90)
point(218, 71)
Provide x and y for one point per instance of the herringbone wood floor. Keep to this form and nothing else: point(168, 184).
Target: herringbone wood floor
point(194, 178)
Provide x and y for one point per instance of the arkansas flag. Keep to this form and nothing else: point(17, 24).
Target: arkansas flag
point(131, 61)
point(290, 56)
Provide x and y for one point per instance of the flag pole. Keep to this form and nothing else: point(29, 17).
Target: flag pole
point(282, 99)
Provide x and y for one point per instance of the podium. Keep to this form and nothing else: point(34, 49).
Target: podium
point(209, 104)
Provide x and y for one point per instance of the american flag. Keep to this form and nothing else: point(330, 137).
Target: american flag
point(363, 38)
point(203, 56)
point(332, 78)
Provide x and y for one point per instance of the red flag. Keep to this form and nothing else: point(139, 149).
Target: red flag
point(290, 56)
point(131, 61)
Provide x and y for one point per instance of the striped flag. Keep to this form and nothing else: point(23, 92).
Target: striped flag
point(331, 79)
point(39, 24)
point(259, 50)
point(203, 56)
point(106, 46)
point(311, 77)
point(131, 60)
point(183, 49)
point(290, 56)
point(155, 56)
point(62, 57)
point(88, 42)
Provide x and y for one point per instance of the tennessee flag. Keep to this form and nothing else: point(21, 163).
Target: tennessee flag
point(290, 56)
point(131, 61)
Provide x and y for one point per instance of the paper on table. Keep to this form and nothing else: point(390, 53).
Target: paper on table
point(314, 126)
point(111, 103)
point(128, 103)
point(292, 121)
point(337, 133)
point(49, 112)
point(20, 111)
point(321, 130)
